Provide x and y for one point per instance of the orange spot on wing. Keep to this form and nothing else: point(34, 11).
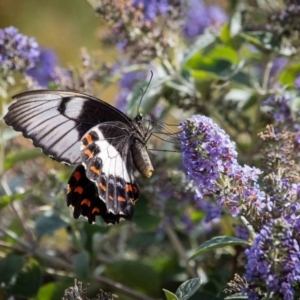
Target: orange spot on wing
point(79, 190)
point(95, 170)
point(122, 199)
point(111, 197)
point(95, 210)
point(89, 138)
point(89, 153)
point(77, 175)
point(102, 187)
point(128, 188)
point(86, 201)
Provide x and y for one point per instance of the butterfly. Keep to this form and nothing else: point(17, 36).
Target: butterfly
point(102, 142)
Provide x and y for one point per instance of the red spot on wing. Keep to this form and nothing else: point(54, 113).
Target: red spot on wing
point(79, 190)
point(95, 210)
point(86, 202)
point(77, 175)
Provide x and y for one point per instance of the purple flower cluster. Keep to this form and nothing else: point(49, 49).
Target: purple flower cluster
point(245, 190)
point(211, 161)
point(279, 109)
point(44, 70)
point(199, 16)
point(208, 152)
point(274, 258)
point(153, 8)
point(17, 51)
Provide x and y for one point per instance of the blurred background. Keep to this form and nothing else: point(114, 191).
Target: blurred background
point(63, 26)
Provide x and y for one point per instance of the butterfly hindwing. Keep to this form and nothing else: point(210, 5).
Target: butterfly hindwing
point(107, 160)
point(56, 120)
point(84, 198)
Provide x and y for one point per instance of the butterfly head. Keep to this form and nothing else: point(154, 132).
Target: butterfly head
point(138, 118)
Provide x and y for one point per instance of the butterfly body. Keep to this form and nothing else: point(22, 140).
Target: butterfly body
point(78, 129)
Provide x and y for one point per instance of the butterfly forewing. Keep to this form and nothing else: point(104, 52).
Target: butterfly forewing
point(56, 120)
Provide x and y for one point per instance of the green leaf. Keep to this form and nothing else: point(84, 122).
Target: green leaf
point(241, 78)
point(250, 102)
point(20, 156)
point(169, 295)
point(47, 291)
point(225, 34)
point(219, 242)
point(54, 290)
point(179, 87)
point(205, 40)
point(28, 280)
point(80, 263)
point(219, 68)
point(289, 74)
point(48, 224)
point(223, 52)
point(188, 288)
point(10, 266)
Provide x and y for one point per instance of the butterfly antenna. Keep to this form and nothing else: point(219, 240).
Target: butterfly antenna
point(144, 92)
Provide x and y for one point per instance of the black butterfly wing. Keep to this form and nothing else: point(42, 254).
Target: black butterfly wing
point(84, 198)
point(106, 156)
point(57, 120)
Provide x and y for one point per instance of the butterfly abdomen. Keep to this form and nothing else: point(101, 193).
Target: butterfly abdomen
point(141, 159)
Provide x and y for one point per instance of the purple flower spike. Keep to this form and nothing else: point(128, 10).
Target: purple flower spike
point(153, 8)
point(17, 51)
point(208, 152)
point(44, 70)
point(279, 109)
point(199, 17)
point(281, 273)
